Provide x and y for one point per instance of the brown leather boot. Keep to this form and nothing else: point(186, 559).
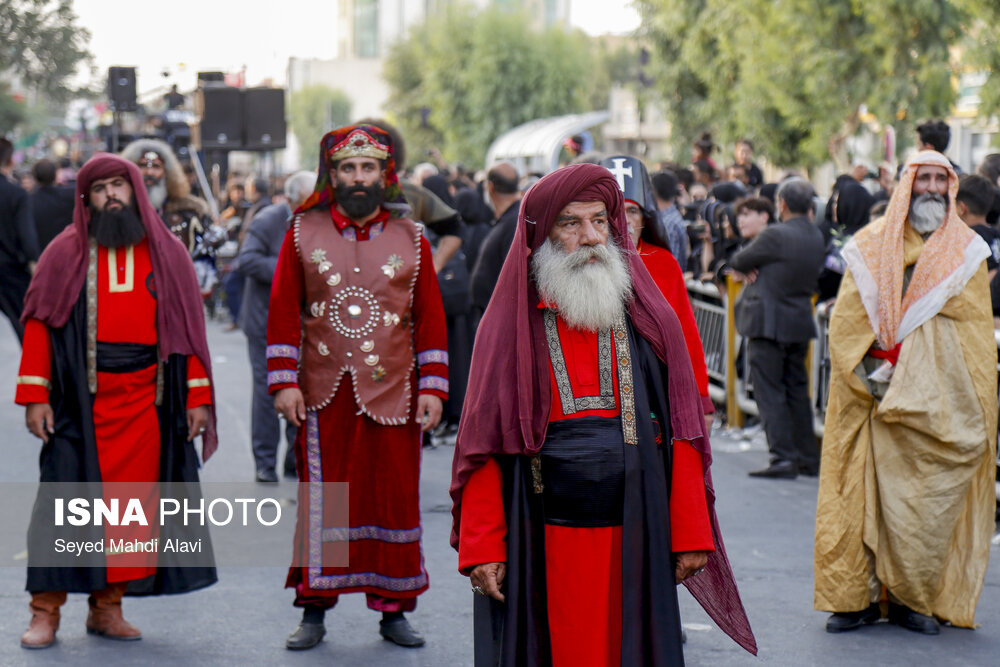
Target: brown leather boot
point(105, 617)
point(41, 632)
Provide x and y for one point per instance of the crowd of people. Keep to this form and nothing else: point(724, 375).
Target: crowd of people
point(543, 319)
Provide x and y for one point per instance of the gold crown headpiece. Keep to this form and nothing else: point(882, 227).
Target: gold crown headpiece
point(359, 144)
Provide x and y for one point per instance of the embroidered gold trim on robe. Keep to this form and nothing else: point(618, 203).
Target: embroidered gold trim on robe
point(34, 380)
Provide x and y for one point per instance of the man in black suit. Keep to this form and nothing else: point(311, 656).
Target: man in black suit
point(51, 204)
point(774, 312)
point(18, 241)
point(257, 260)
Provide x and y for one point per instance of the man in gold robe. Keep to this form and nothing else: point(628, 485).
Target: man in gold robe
point(906, 498)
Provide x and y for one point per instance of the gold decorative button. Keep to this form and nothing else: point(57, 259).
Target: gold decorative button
point(354, 311)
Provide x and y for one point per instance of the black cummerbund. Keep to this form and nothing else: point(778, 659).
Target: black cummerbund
point(124, 357)
point(583, 472)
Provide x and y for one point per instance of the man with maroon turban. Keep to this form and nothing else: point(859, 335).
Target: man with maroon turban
point(580, 481)
point(116, 380)
point(357, 358)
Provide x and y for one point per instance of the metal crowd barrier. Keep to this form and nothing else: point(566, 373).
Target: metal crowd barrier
point(711, 316)
point(729, 370)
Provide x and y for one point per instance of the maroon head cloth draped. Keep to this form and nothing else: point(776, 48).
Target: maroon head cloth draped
point(508, 399)
point(62, 269)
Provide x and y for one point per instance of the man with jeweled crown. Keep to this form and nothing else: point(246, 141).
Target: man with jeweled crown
point(357, 357)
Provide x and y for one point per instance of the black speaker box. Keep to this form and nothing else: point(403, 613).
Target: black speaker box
point(221, 112)
point(264, 113)
point(121, 88)
point(211, 78)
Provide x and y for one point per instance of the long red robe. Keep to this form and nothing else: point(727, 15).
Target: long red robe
point(381, 463)
point(583, 565)
point(126, 426)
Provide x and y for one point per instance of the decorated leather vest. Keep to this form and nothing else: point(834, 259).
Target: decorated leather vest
point(357, 315)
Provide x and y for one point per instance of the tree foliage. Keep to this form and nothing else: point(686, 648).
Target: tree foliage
point(793, 74)
point(41, 43)
point(12, 111)
point(981, 50)
point(465, 76)
point(314, 111)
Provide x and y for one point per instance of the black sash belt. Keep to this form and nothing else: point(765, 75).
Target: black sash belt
point(583, 472)
point(124, 357)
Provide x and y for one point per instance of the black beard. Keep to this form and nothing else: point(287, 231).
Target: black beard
point(116, 228)
point(359, 206)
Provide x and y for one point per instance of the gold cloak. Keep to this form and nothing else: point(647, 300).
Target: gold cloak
point(906, 489)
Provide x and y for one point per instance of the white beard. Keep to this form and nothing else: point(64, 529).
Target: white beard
point(157, 194)
point(589, 295)
point(927, 212)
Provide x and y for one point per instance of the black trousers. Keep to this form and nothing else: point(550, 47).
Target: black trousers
point(781, 389)
point(14, 282)
point(265, 425)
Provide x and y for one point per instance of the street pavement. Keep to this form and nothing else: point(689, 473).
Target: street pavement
point(244, 619)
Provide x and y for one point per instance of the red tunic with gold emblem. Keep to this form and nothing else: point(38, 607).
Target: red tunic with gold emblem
point(126, 426)
point(583, 565)
point(340, 442)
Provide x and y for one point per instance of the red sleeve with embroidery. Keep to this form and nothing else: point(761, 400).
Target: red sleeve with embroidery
point(690, 529)
point(199, 386)
point(35, 375)
point(430, 333)
point(482, 536)
point(284, 324)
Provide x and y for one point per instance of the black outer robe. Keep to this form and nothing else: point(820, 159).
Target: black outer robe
point(71, 456)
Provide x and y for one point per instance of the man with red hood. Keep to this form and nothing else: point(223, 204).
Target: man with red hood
point(580, 480)
point(650, 240)
point(115, 377)
point(357, 358)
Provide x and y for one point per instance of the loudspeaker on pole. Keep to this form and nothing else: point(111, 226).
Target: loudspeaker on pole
point(121, 88)
point(264, 116)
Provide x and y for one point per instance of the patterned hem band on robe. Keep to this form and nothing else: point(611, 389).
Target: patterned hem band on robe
point(433, 382)
point(34, 380)
point(432, 357)
point(199, 382)
point(282, 352)
point(282, 377)
point(354, 580)
point(391, 535)
point(317, 534)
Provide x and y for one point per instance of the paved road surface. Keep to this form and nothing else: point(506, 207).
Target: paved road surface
point(243, 620)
